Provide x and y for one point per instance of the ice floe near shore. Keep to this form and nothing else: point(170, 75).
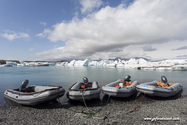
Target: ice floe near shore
point(140, 64)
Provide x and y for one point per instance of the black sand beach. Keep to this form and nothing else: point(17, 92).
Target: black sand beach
point(152, 110)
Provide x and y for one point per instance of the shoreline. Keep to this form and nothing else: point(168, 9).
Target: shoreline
point(152, 110)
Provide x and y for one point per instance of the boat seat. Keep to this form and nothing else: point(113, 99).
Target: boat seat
point(118, 87)
point(129, 83)
point(86, 85)
point(29, 89)
point(126, 83)
point(164, 85)
point(83, 85)
point(89, 85)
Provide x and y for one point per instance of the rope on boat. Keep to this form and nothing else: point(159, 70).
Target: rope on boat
point(136, 109)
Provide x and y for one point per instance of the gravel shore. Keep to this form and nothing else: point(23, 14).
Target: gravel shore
point(158, 111)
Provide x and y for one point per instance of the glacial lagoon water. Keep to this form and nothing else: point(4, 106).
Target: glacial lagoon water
point(12, 77)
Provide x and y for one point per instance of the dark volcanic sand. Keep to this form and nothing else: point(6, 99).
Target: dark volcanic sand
point(116, 112)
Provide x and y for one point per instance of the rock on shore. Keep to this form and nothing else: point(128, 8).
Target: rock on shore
point(116, 112)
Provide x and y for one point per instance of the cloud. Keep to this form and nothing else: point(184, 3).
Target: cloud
point(44, 34)
point(180, 48)
point(40, 35)
point(110, 30)
point(148, 48)
point(182, 56)
point(70, 54)
point(11, 35)
point(89, 5)
point(31, 49)
point(43, 23)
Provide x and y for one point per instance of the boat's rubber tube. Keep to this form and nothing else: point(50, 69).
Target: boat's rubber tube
point(42, 94)
point(75, 93)
point(127, 91)
point(152, 89)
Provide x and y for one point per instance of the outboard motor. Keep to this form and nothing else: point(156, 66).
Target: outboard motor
point(85, 80)
point(164, 80)
point(127, 78)
point(24, 84)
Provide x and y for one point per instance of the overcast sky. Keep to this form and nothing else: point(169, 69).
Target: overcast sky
point(93, 29)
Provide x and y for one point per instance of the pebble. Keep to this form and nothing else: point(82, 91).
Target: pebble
point(116, 113)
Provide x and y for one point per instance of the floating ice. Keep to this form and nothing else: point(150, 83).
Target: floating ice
point(141, 63)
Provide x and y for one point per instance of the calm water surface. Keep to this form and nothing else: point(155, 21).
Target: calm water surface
point(12, 77)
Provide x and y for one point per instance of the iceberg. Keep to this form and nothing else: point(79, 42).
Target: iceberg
point(81, 63)
point(11, 63)
point(20, 65)
point(6, 65)
point(71, 63)
point(131, 63)
point(110, 65)
point(92, 63)
point(58, 64)
point(51, 64)
point(161, 65)
point(180, 64)
point(64, 63)
point(179, 67)
point(101, 63)
point(119, 63)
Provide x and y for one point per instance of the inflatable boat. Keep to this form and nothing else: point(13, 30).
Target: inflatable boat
point(161, 89)
point(84, 90)
point(121, 88)
point(34, 94)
